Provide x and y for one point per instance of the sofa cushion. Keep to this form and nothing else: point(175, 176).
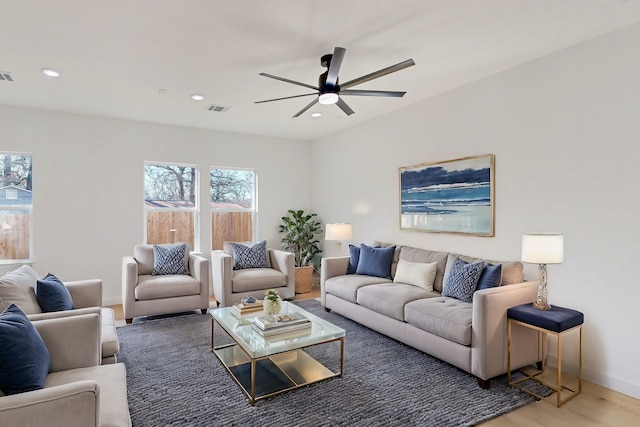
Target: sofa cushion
point(396, 253)
point(491, 277)
point(390, 298)
point(412, 254)
point(354, 257)
point(168, 286)
point(346, 287)
point(18, 287)
point(53, 295)
point(416, 273)
point(512, 271)
point(375, 261)
point(252, 255)
point(24, 359)
point(253, 279)
point(445, 317)
point(169, 259)
point(462, 280)
point(112, 382)
point(110, 343)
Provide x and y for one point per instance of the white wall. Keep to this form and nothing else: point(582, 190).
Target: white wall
point(565, 133)
point(88, 184)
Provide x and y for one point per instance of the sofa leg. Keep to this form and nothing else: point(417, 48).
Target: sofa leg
point(203, 310)
point(129, 321)
point(328, 310)
point(484, 384)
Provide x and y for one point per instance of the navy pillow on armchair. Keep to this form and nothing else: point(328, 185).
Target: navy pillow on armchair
point(24, 358)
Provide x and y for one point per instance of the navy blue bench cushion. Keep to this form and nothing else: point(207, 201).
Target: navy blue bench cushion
point(557, 319)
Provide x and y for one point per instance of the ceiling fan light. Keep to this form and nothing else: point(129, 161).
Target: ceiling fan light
point(328, 98)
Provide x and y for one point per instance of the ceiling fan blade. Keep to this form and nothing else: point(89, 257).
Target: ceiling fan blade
point(372, 93)
point(344, 107)
point(286, 97)
point(334, 66)
point(311, 104)
point(392, 69)
point(282, 79)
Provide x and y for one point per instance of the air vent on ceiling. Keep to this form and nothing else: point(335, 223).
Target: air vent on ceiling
point(4, 76)
point(217, 108)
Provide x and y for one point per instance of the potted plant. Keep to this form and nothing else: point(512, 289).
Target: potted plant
point(300, 231)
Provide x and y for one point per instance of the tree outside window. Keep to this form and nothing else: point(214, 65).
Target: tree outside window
point(170, 203)
point(16, 206)
point(233, 213)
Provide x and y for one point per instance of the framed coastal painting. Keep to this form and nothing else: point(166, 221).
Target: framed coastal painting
point(452, 196)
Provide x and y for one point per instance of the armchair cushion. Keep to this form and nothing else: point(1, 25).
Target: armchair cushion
point(17, 287)
point(253, 255)
point(254, 279)
point(53, 295)
point(169, 259)
point(167, 286)
point(24, 358)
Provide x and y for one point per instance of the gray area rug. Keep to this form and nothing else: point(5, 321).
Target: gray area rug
point(174, 379)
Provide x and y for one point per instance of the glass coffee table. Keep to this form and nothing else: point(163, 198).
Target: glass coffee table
point(266, 366)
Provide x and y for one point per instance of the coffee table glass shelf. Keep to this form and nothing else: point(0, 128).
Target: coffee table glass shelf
point(266, 366)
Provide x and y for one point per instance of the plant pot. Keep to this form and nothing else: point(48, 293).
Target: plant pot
point(304, 279)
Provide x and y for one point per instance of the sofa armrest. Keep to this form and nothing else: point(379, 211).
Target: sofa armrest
point(199, 270)
point(85, 293)
point(73, 404)
point(489, 330)
point(284, 262)
point(65, 313)
point(73, 342)
point(222, 272)
point(331, 267)
point(129, 282)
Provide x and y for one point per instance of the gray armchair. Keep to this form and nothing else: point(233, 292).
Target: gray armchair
point(146, 295)
point(230, 286)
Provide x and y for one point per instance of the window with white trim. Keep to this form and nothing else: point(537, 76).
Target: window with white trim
point(170, 203)
point(233, 205)
point(16, 207)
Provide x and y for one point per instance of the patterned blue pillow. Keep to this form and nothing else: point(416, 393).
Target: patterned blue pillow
point(250, 256)
point(53, 295)
point(24, 358)
point(463, 279)
point(169, 259)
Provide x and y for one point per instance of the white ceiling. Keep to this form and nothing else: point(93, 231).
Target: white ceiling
point(142, 59)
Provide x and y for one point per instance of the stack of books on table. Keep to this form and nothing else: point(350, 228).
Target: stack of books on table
point(269, 325)
point(246, 308)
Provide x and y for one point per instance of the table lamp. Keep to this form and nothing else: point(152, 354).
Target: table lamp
point(542, 249)
point(338, 232)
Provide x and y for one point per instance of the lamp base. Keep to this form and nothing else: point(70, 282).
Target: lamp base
point(541, 306)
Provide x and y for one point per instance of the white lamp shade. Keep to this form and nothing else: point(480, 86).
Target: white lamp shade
point(338, 231)
point(543, 248)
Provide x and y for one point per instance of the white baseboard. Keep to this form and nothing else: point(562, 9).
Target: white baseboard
point(112, 301)
point(604, 380)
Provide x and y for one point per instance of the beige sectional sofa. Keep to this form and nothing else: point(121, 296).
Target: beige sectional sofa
point(78, 391)
point(469, 335)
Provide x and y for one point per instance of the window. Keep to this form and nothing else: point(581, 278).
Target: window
point(16, 207)
point(233, 201)
point(170, 203)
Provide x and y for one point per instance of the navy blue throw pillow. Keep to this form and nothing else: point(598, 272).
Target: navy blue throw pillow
point(491, 277)
point(24, 358)
point(53, 295)
point(375, 261)
point(354, 257)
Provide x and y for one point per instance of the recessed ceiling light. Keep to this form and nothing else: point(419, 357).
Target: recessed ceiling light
point(316, 114)
point(197, 97)
point(50, 72)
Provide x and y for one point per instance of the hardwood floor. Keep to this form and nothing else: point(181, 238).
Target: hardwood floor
point(595, 406)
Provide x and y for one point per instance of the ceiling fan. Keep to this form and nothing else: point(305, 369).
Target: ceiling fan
point(330, 91)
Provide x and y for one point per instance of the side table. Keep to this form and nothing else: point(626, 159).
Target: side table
point(558, 321)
